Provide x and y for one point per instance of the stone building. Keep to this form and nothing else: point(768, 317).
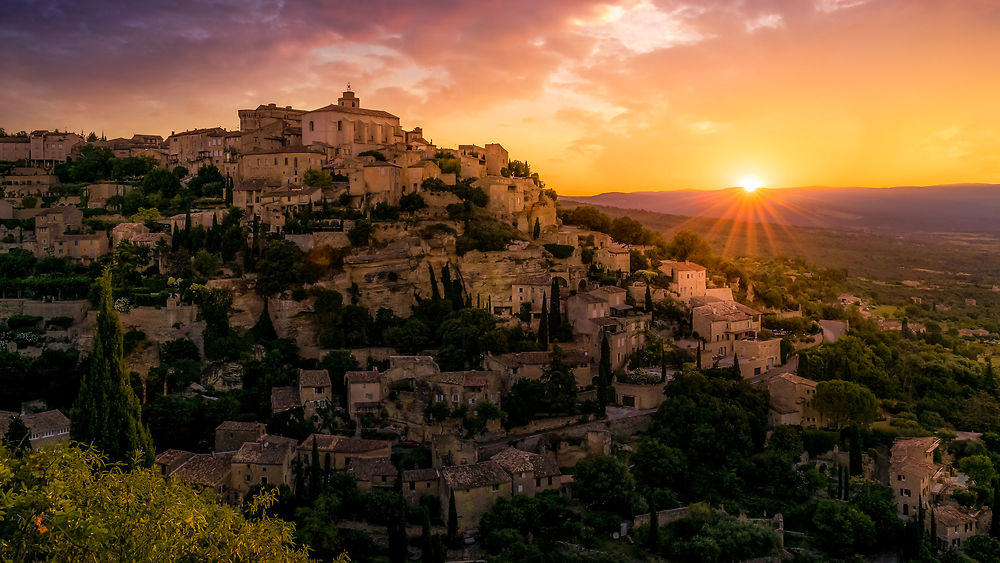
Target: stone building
point(614, 258)
point(365, 390)
point(45, 429)
point(531, 365)
point(52, 147)
point(476, 487)
point(231, 435)
point(687, 279)
point(530, 473)
point(792, 401)
point(266, 461)
point(336, 451)
point(281, 167)
point(912, 473)
point(721, 323)
point(419, 483)
point(345, 128)
point(372, 473)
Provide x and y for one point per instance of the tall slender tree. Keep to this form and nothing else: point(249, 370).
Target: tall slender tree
point(543, 325)
point(555, 312)
point(649, 300)
point(107, 413)
point(452, 520)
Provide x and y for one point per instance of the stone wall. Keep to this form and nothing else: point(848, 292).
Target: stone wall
point(75, 309)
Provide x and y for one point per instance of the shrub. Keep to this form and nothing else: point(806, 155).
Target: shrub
point(60, 322)
point(561, 251)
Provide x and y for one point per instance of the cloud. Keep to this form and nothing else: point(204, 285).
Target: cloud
point(828, 6)
point(766, 21)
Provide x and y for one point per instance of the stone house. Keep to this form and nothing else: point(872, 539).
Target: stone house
point(315, 390)
point(372, 473)
point(530, 473)
point(82, 249)
point(284, 166)
point(721, 323)
point(530, 365)
point(13, 149)
point(54, 222)
point(792, 401)
point(231, 434)
point(419, 483)
point(197, 147)
point(384, 182)
point(687, 279)
point(416, 174)
point(52, 147)
point(466, 387)
point(614, 258)
point(533, 289)
point(99, 194)
point(955, 525)
point(336, 451)
point(912, 473)
point(365, 390)
point(266, 461)
point(757, 356)
point(476, 487)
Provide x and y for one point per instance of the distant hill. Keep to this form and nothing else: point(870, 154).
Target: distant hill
point(967, 208)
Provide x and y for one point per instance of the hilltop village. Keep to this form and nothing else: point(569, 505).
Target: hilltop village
point(387, 332)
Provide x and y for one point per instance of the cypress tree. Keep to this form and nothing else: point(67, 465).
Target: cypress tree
point(264, 331)
point(107, 413)
point(537, 231)
point(989, 379)
point(855, 451)
point(452, 519)
point(543, 325)
point(697, 357)
point(314, 472)
point(555, 312)
point(604, 373)
point(995, 524)
point(654, 526)
point(649, 300)
point(736, 367)
point(435, 294)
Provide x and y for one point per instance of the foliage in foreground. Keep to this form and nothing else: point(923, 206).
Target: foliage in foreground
point(67, 504)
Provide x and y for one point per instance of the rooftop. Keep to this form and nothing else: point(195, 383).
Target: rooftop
point(314, 378)
point(343, 444)
point(236, 426)
point(514, 460)
point(725, 311)
point(427, 474)
point(372, 376)
point(356, 111)
point(211, 470)
point(284, 398)
point(474, 475)
point(267, 450)
point(377, 466)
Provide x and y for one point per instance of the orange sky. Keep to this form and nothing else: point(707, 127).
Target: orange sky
point(597, 96)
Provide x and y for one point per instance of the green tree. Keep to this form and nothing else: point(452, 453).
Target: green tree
point(687, 245)
point(537, 230)
point(17, 437)
point(543, 325)
point(979, 468)
point(107, 413)
point(67, 504)
point(317, 178)
point(842, 529)
point(555, 312)
point(604, 483)
point(452, 519)
point(845, 402)
point(206, 263)
point(279, 267)
point(361, 233)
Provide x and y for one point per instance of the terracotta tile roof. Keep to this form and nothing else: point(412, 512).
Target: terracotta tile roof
point(951, 516)
point(362, 376)
point(374, 467)
point(212, 470)
point(609, 289)
point(236, 426)
point(725, 311)
point(426, 474)
point(518, 359)
point(212, 131)
point(356, 111)
point(382, 164)
point(267, 450)
point(344, 444)
point(463, 378)
point(514, 461)
point(284, 398)
point(48, 421)
point(169, 457)
point(474, 475)
point(681, 266)
point(314, 378)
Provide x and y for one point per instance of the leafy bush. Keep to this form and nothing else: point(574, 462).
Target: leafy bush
point(561, 251)
point(486, 235)
point(60, 322)
point(23, 321)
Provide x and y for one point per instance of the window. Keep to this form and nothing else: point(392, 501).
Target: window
point(263, 480)
point(413, 484)
point(311, 126)
point(494, 488)
point(340, 126)
point(906, 509)
point(538, 482)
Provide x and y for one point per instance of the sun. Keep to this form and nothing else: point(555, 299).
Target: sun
point(750, 183)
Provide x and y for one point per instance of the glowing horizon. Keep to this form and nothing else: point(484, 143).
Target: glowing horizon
point(597, 95)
